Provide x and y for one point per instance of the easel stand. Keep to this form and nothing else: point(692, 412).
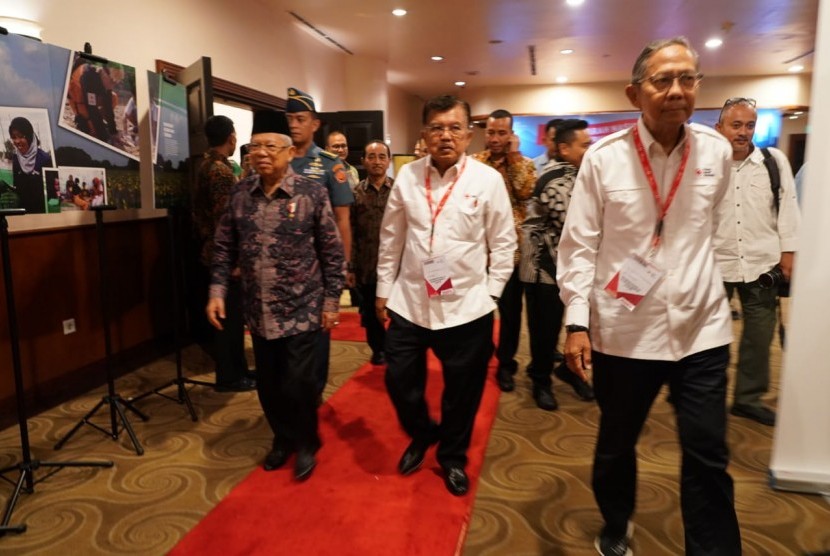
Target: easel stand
point(182, 396)
point(28, 466)
point(116, 403)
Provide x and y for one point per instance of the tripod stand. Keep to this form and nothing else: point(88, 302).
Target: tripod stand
point(116, 403)
point(28, 466)
point(180, 381)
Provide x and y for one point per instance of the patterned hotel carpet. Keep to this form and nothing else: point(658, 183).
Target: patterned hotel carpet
point(534, 497)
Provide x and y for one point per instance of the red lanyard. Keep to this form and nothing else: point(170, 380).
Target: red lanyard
point(662, 207)
point(435, 212)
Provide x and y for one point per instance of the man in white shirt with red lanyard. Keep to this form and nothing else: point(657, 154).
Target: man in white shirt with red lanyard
point(446, 251)
point(645, 302)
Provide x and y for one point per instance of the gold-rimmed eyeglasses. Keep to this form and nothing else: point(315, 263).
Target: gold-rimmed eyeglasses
point(663, 82)
point(270, 148)
point(456, 130)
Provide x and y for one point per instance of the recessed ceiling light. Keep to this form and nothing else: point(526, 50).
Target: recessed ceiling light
point(793, 117)
point(400, 12)
point(574, 2)
point(714, 42)
point(798, 112)
point(796, 69)
point(436, 58)
point(566, 51)
point(460, 83)
point(561, 79)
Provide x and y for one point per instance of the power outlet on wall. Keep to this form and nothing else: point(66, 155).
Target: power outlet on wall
point(68, 326)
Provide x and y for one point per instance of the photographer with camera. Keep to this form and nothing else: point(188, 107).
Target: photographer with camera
point(754, 247)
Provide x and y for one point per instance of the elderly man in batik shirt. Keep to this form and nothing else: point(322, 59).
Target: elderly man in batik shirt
point(279, 229)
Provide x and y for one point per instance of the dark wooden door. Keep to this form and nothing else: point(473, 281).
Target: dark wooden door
point(359, 127)
point(199, 82)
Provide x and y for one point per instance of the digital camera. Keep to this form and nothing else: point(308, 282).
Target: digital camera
point(774, 278)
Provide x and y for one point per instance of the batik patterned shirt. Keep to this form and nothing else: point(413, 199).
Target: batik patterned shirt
point(289, 253)
point(214, 182)
point(519, 174)
point(367, 213)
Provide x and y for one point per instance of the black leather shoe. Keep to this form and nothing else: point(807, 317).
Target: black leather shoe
point(581, 388)
point(304, 465)
point(456, 481)
point(505, 379)
point(276, 458)
point(760, 414)
point(243, 384)
point(412, 457)
point(378, 358)
point(544, 398)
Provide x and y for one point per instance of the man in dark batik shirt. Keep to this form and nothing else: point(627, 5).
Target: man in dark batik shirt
point(370, 196)
point(215, 180)
point(280, 231)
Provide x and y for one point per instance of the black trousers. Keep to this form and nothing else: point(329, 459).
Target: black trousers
point(228, 347)
point(544, 319)
point(464, 352)
point(510, 322)
point(286, 388)
point(625, 390)
point(375, 331)
point(322, 351)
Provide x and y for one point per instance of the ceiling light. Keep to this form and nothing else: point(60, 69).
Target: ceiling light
point(436, 58)
point(566, 51)
point(714, 42)
point(793, 117)
point(796, 69)
point(400, 12)
point(798, 112)
point(460, 83)
point(574, 2)
point(561, 79)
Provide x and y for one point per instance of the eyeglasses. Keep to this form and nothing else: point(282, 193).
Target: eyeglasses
point(270, 148)
point(456, 130)
point(662, 82)
point(736, 100)
point(740, 100)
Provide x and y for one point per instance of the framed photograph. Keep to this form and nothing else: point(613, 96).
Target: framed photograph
point(28, 151)
point(81, 188)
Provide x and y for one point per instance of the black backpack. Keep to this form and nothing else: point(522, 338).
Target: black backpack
point(774, 177)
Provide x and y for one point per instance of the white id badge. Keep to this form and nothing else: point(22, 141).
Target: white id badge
point(437, 276)
point(634, 280)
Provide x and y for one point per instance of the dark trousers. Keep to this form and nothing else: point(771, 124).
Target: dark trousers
point(625, 390)
point(375, 331)
point(286, 388)
point(464, 352)
point(228, 347)
point(758, 309)
point(510, 322)
point(322, 350)
point(544, 319)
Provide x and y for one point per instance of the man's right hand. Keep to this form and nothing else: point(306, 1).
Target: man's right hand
point(380, 309)
point(215, 310)
point(578, 353)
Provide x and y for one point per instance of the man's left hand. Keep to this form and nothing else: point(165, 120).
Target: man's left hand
point(330, 319)
point(786, 264)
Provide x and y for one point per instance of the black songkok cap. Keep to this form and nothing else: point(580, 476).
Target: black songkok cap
point(270, 121)
point(299, 101)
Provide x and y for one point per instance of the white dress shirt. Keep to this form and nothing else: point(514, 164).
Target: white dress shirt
point(474, 228)
point(750, 237)
point(613, 215)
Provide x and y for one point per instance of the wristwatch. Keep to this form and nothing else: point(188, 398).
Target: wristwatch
point(575, 328)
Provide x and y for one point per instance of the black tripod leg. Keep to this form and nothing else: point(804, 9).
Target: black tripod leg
point(129, 405)
point(185, 397)
point(127, 426)
point(78, 425)
point(5, 527)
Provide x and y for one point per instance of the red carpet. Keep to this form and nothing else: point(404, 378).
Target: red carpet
point(355, 503)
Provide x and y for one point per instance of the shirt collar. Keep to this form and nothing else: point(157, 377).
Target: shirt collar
point(286, 185)
point(452, 170)
point(649, 141)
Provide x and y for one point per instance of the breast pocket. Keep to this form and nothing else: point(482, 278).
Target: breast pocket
point(629, 205)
